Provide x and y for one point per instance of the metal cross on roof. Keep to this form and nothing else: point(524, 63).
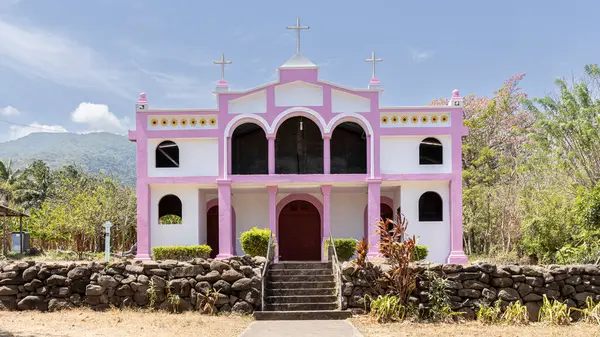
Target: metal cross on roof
point(222, 62)
point(373, 60)
point(298, 28)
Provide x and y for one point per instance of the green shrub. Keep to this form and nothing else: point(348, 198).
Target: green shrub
point(420, 253)
point(345, 248)
point(181, 253)
point(386, 308)
point(255, 241)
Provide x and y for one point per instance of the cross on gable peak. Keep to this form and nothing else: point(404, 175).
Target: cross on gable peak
point(298, 28)
point(222, 63)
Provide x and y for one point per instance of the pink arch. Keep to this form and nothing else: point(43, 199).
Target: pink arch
point(384, 200)
point(247, 120)
point(300, 196)
point(215, 202)
point(353, 120)
point(299, 114)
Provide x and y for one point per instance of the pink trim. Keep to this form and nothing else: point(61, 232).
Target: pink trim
point(143, 194)
point(131, 135)
point(173, 134)
point(184, 112)
point(225, 221)
point(215, 202)
point(221, 83)
point(271, 156)
point(457, 255)
point(384, 200)
point(298, 178)
point(420, 109)
point(374, 81)
point(417, 176)
point(305, 197)
point(373, 214)
point(326, 155)
point(275, 127)
point(245, 120)
point(415, 131)
point(273, 216)
point(326, 191)
point(182, 180)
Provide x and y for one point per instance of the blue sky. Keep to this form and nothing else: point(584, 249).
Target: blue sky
point(78, 66)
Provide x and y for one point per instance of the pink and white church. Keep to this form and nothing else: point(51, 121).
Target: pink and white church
point(301, 156)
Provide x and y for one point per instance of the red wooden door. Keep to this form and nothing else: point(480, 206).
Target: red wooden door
point(299, 232)
point(212, 230)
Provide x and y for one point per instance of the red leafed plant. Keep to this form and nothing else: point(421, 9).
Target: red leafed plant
point(399, 249)
point(362, 248)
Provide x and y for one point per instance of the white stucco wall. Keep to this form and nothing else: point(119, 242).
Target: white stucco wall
point(345, 102)
point(298, 93)
point(435, 235)
point(197, 157)
point(255, 103)
point(347, 214)
point(400, 154)
point(251, 209)
point(189, 231)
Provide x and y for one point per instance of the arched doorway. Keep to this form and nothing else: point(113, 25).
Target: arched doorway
point(249, 150)
point(298, 147)
point(386, 211)
point(299, 232)
point(348, 149)
point(212, 230)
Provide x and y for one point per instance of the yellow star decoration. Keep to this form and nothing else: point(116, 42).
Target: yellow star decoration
point(394, 119)
point(444, 119)
point(424, 119)
point(434, 119)
point(164, 122)
point(212, 121)
point(184, 122)
point(414, 119)
point(404, 119)
point(384, 119)
point(174, 122)
point(202, 122)
point(154, 122)
point(193, 121)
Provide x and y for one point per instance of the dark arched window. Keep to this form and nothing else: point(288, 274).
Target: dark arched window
point(169, 210)
point(249, 150)
point(348, 148)
point(167, 154)
point(430, 207)
point(298, 147)
point(430, 152)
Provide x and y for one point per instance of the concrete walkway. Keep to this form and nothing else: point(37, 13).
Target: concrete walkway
point(333, 328)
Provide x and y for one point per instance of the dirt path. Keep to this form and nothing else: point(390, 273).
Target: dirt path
point(116, 323)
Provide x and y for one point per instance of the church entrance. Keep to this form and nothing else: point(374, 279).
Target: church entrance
point(212, 230)
point(299, 232)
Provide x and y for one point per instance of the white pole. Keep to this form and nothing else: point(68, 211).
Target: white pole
point(107, 225)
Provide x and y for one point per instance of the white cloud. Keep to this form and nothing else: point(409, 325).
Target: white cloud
point(9, 111)
point(40, 53)
point(19, 131)
point(419, 55)
point(98, 117)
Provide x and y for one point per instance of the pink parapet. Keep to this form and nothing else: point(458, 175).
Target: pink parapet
point(455, 93)
point(374, 81)
point(142, 99)
point(222, 83)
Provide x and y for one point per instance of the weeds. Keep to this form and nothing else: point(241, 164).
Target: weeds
point(440, 310)
point(387, 308)
point(488, 314)
point(591, 312)
point(152, 295)
point(207, 301)
point(555, 312)
point(515, 313)
point(173, 299)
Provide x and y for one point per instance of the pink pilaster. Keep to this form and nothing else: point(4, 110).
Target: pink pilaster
point(373, 214)
point(271, 149)
point(143, 189)
point(326, 154)
point(326, 190)
point(273, 217)
point(225, 223)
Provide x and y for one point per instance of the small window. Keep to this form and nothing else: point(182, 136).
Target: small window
point(169, 210)
point(431, 152)
point(430, 207)
point(167, 154)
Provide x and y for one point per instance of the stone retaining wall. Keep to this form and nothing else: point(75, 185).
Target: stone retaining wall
point(483, 282)
point(169, 285)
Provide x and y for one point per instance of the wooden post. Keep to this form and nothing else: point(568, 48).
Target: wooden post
point(21, 231)
point(4, 241)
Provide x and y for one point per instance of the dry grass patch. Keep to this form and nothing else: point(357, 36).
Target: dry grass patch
point(370, 329)
point(117, 323)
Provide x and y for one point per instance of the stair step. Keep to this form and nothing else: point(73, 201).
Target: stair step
point(301, 265)
point(289, 272)
point(300, 278)
point(300, 285)
point(300, 306)
point(301, 292)
point(301, 315)
point(301, 299)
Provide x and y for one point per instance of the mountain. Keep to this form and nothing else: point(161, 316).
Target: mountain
point(94, 152)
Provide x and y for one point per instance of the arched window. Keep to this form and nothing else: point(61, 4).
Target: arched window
point(348, 148)
point(167, 154)
point(430, 207)
point(169, 210)
point(298, 147)
point(430, 152)
point(249, 150)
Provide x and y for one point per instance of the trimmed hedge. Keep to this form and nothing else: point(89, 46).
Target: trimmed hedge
point(420, 253)
point(255, 241)
point(345, 248)
point(181, 253)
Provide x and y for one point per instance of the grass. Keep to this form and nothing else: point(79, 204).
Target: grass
point(370, 328)
point(117, 323)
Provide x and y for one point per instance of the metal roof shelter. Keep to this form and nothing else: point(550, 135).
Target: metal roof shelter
point(6, 212)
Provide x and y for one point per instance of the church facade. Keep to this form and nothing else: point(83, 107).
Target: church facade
point(303, 157)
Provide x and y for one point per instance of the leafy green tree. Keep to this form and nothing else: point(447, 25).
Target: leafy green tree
point(34, 186)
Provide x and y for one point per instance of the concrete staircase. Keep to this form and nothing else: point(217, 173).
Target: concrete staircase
point(299, 291)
